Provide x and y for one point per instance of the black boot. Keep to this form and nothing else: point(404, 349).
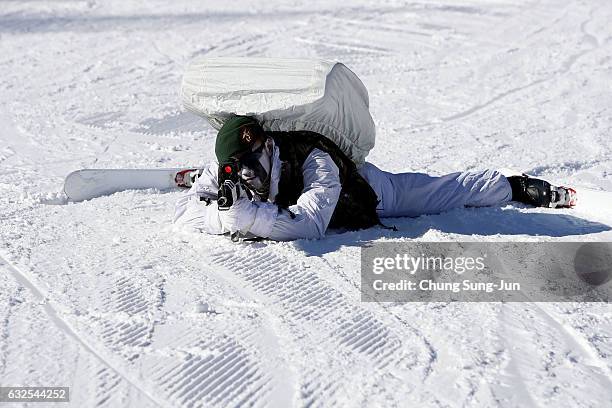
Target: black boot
point(541, 193)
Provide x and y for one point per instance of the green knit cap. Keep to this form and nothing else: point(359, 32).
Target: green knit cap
point(228, 141)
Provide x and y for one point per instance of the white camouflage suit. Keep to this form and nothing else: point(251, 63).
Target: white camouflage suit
point(403, 194)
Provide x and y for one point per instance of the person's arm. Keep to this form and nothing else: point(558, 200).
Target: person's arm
point(308, 218)
point(197, 208)
point(311, 215)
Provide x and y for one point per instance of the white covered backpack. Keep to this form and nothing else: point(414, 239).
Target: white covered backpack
point(284, 95)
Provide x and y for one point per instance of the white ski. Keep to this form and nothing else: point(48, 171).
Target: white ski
point(86, 184)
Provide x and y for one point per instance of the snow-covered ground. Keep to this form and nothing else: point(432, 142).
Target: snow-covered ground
point(106, 298)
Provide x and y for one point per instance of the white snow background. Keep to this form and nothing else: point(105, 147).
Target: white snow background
point(105, 297)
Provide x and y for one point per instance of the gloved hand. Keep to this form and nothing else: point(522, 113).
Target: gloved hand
point(239, 217)
point(229, 192)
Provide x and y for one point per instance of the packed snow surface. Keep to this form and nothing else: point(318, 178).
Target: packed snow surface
point(105, 297)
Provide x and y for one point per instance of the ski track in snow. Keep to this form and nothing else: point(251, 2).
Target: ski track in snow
point(65, 327)
point(107, 298)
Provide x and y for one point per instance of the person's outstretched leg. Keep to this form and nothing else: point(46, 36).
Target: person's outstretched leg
point(413, 194)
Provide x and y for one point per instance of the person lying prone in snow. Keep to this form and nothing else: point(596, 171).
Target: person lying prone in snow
point(292, 185)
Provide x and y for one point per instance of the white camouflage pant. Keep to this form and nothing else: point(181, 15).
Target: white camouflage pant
point(413, 194)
